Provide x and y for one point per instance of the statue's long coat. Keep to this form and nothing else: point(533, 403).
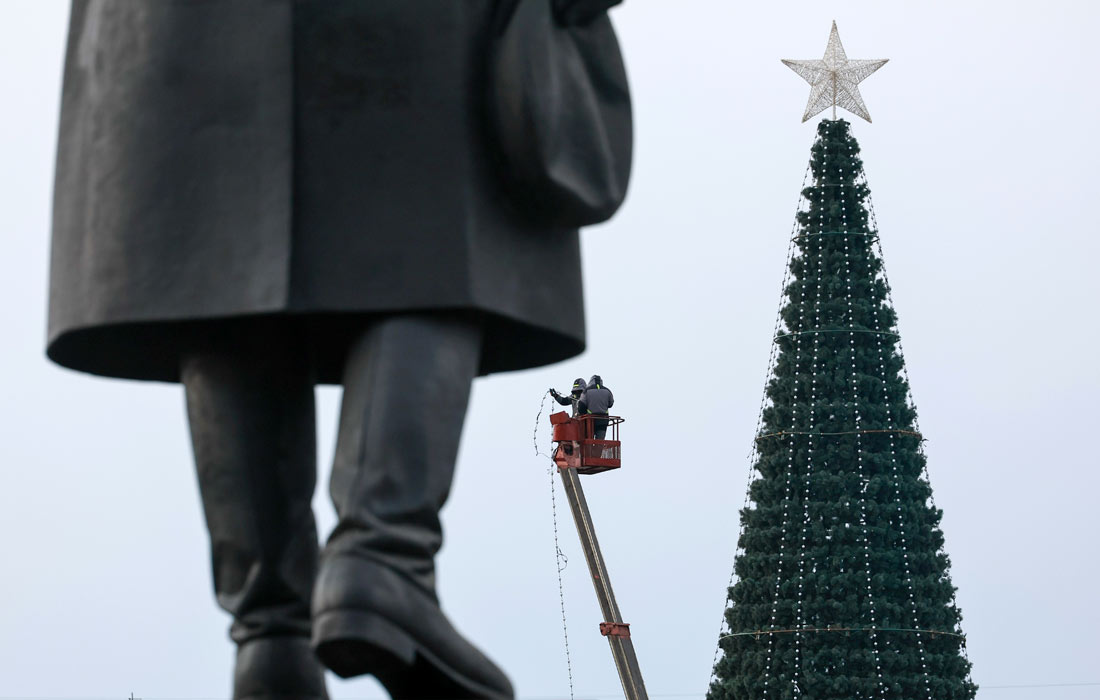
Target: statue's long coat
point(325, 161)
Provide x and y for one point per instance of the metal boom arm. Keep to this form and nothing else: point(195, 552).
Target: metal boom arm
point(617, 632)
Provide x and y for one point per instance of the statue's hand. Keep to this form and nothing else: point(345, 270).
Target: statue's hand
point(578, 12)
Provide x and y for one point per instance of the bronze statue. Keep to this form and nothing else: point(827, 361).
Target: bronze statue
point(253, 197)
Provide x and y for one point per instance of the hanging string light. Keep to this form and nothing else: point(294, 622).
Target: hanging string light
point(724, 629)
point(857, 421)
point(801, 316)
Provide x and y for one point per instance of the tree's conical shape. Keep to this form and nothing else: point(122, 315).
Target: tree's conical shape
point(842, 585)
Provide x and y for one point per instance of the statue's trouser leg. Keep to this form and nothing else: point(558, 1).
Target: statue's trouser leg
point(406, 387)
point(250, 405)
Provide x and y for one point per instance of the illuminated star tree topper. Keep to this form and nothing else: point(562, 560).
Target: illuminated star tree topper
point(834, 80)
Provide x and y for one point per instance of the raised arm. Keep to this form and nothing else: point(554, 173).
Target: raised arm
point(563, 400)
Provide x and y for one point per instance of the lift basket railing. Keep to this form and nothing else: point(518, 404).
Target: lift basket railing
point(595, 455)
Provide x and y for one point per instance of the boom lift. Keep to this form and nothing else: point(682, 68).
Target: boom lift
point(578, 452)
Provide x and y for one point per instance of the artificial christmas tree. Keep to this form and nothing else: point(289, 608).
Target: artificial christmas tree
point(842, 585)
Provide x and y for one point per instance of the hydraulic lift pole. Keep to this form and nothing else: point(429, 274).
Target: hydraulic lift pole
point(616, 631)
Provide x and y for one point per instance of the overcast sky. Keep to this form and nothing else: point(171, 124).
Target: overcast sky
point(982, 161)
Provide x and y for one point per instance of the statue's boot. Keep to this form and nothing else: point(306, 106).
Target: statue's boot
point(251, 409)
point(278, 668)
point(406, 386)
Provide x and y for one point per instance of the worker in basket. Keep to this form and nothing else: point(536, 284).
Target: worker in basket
point(574, 397)
point(595, 401)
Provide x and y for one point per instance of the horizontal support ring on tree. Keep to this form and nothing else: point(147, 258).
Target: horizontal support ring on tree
point(896, 431)
point(872, 236)
point(834, 330)
point(758, 633)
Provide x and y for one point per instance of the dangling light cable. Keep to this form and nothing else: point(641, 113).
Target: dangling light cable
point(787, 492)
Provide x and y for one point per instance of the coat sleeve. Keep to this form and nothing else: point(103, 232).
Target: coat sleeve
point(610, 399)
point(580, 12)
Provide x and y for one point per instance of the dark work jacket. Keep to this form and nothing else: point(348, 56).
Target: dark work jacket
point(597, 399)
point(323, 161)
point(572, 400)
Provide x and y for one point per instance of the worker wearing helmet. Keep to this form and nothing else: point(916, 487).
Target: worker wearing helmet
point(596, 400)
point(574, 398)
